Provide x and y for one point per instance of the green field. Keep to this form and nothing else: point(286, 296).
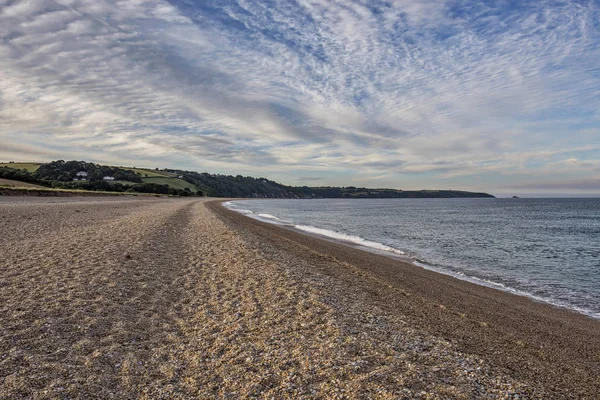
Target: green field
point(150, 173)
point(124, 182)
point(175, 183)
point(12, 183)
point(31, 167)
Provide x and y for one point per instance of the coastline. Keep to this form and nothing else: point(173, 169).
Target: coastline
point(535, 342)
point(395, 253)
point(132, 297)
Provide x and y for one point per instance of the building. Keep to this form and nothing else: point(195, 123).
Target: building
point(80, 176)
point(108, 178)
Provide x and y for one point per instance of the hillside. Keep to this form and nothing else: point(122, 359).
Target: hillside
point(17, 184)
point(244, 186)
point(366, 193)
point(171, 182)
point(30, 167)
point(215, 185)
point(89, 176)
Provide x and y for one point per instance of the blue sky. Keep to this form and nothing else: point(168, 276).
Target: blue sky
point(480, 95)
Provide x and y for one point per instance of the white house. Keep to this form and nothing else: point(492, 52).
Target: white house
point(80, 176)
point(108, 178)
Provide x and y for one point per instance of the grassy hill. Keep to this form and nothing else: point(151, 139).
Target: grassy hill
point(67, 175)
point(30, 167)
point(172, 182)
point(81, 175)
point(150, 173)
point(18, 184)
point(352, 192)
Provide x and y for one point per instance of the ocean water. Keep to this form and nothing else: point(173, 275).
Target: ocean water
point(547, 249)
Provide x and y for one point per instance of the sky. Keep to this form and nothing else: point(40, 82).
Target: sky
point(496, 96)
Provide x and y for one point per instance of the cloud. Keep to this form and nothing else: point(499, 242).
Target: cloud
point(310, 178)
point(25, 152)
point(350, 88)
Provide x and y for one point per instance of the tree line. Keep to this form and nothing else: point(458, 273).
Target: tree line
point(63, 174)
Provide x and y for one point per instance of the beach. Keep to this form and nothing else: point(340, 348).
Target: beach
point(122, 297)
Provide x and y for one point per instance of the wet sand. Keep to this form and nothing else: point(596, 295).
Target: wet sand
point(167, 298)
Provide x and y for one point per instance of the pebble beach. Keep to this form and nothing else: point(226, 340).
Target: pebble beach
point(149, 298)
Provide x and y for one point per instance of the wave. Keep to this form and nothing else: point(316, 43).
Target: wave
point(417, 261)
point(348, 238)
point(505, 288)
point(229, 205)
point(269, 216)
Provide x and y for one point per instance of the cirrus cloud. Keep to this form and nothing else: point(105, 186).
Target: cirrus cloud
point(398, 93)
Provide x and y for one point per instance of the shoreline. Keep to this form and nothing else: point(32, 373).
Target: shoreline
point(114, 297)
point(103, 298)
point(460, 276)
point(401, 256)
point(533, 341)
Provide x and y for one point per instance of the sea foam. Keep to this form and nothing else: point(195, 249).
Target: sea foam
point(269, 216)
point(348, 238)
point(474, 253)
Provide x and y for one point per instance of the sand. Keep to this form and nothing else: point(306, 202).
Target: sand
point(168, 298)
point(553, 351)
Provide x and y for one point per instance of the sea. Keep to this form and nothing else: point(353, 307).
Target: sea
point(546, 249)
